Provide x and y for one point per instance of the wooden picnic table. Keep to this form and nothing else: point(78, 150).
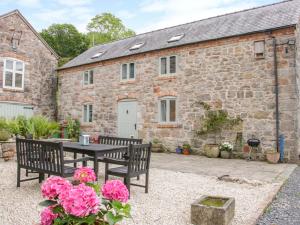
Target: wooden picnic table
point(93, 150)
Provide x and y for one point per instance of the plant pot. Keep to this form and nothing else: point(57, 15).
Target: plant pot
point(186, 151)
point(178, 150)
point(156, 147)
point(212, 150)
point(273, 157)
point(225, 155)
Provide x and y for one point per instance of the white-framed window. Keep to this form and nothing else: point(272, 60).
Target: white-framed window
point(88, 77)
point(167, 110)
point(13, 74)
point(87, 113)
point(168, 65)
point(128, 71)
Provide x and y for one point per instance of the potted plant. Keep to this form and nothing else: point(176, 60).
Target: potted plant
point(179, 149)
point(272, 156)
point(73, 129)
point(213, 123)
point(186, 149)
point(226, 150)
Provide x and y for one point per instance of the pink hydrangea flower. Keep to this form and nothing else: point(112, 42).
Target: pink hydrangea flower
point(84, 175)
point(52, 187)
point(47, 216)
point(115, 190)
point(80, 201)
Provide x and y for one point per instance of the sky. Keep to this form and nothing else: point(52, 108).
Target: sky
point(139, 15)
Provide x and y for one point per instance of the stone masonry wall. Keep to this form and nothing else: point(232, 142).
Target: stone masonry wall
point(298, 81)
point(222, 73)
point(40, 65)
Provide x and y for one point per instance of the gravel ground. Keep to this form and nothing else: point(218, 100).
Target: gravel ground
point(285, 209)
point(168, 201)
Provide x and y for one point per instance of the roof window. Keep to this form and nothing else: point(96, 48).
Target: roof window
point(137, 46)
point(97, 55)
point(176, 38)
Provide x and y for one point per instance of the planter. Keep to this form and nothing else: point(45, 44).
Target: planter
point(186, 151)
point(273, 157)
point(212, 210)
point(178, 150)
point(225, 154)
point(212, 150)
point(157, 147)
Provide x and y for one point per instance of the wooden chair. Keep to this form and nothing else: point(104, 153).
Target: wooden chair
point(117, 141)
point(42, 157)
point(137, 164)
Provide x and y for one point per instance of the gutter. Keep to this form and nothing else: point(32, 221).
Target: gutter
point(276, 93)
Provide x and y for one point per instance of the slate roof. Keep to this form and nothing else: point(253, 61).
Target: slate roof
point(269, 17)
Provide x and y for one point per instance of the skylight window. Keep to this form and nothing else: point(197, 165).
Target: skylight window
point(176, 38)
point(137, 46)
point(97, 55)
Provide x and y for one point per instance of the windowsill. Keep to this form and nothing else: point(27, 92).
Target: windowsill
point(122, 82)
point(13, 89)
point(168, 125)
point(87, 124)
point(88, 86)
point(167, 77)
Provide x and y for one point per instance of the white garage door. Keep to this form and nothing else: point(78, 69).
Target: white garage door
point(12, 110)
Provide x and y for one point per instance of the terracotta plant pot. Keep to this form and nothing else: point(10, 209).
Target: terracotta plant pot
point(186, 151)
point(273, 157)
point(212, 150)
point(225, 155)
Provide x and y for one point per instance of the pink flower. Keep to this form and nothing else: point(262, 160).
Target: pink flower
point(80, 201)
point(84, 175)
point(52, 187)
point(115, 190)
point(47, 216)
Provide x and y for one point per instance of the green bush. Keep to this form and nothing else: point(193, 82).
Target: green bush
point(4, 135)
point(73, 128)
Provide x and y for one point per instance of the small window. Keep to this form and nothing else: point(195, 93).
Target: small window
point(13, 74)
point(128, 71)
point(259, 49)
point(167, 110)
point(88, 113)
point(137, 46)
point(168, 65)
point(176, 38)
point(88, 77)
point(97, 55)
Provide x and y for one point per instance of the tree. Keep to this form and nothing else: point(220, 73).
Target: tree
point(106, 28)
point(66, 40)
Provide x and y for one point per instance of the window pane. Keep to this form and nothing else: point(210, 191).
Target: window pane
point(19, 66)
point(172, 110)
point(124, 71)
point(163, 110)
point(9, 64)
point(163, 65)
point(131, 70)
point(18, 80)
point(86, 77)
point(91, 76)
point(91, 113)
point(85, 113)
point(173, 64)
point(8, 78)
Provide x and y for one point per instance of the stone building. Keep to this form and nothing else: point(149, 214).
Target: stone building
point(147, 86)
point(27, 67)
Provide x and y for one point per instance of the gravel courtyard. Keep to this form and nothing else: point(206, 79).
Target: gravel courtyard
point(174, 185)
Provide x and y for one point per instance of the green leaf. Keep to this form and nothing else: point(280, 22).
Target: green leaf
point(96, 187)
point(47, 203)
point(112, 219)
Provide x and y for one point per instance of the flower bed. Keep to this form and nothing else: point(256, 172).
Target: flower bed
point(80, 202)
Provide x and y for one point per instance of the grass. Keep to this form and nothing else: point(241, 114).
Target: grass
point(212, 201)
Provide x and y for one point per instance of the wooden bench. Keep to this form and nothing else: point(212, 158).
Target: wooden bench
point(42, 157)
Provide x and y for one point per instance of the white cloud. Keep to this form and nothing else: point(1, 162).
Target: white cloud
point(73, 3)
point(176, 12)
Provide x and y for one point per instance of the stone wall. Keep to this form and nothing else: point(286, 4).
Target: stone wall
point(40, 65)
point(298, 81)
point(222, 73)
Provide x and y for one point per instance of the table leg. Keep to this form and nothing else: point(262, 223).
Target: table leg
point(96, 165)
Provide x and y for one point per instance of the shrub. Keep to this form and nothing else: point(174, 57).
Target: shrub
point(73, 128)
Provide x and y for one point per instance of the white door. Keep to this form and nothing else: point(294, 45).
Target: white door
point(127, 119)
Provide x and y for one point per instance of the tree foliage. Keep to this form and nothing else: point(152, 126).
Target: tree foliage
point(66, 40)
point(106, 28)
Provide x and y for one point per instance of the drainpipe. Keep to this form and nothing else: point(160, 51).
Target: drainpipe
point(276, 93)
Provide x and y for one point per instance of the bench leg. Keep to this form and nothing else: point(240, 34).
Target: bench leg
point(127, 183)
point(147, 182)
point(75, 157)
point(106, 172)
point(41, 177)
point(18, 176)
